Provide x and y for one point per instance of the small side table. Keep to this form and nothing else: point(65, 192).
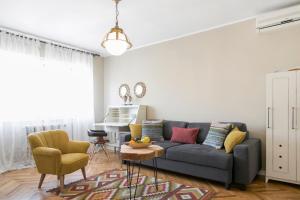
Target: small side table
point(133, 156)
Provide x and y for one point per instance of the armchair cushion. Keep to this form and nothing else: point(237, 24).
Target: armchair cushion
point(72, 162)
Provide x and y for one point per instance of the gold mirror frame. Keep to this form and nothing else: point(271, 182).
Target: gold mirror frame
point(143, 92)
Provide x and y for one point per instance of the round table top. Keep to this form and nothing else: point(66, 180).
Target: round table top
point(128, 153)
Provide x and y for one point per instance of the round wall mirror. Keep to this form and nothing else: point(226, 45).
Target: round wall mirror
point(124, 90)
point(140, 89)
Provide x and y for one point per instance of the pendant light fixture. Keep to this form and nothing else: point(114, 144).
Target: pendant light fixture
point(116, 41)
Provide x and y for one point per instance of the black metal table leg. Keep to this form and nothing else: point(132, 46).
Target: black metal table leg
point(154, 161)
point(127, 171)
point(130, 171)
point(137, 180)
point(128, 176)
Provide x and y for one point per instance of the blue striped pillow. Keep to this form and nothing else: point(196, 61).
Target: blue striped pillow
point(217, 134)
point(153, 129)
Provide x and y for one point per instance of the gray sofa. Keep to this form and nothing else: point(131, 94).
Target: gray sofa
point(239, 167)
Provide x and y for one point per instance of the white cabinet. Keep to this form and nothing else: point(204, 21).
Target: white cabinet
point(297, 127)
point(118, 118)
point(282, 134)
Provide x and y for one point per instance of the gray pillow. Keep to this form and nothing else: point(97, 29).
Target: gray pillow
point(153, 129)
point(217, 134)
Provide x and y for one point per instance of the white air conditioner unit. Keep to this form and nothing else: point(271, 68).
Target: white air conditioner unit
point(278, 19)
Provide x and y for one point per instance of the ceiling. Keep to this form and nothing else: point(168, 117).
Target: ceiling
point(83, 23)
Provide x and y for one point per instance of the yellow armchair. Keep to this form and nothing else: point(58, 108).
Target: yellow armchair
point(55, 154)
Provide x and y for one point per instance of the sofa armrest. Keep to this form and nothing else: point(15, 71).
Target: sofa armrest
point(78, 146)
point(124, 137)
point(47, 160)
point(246, 161)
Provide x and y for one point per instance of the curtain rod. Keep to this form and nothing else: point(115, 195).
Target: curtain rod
point(45, 41)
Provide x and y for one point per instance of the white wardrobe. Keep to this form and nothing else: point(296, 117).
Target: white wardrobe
point(283, 127)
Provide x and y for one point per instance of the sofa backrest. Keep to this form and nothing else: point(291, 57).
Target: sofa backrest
point(168, 125)
point(203, 126)
point(241, 126)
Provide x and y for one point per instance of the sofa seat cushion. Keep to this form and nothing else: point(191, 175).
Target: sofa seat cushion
point(72, 162)
point(166, 145)
point(201, 155)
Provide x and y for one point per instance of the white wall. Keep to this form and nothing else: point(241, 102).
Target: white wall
point(218, 75)
point(98, 73)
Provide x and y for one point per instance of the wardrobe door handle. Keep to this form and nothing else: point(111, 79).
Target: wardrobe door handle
point(268, 117)
point(293, 118)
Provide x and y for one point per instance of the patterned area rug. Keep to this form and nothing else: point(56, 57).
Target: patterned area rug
point(113, 185)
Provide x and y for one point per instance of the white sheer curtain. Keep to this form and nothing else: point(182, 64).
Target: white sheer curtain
point(73, 85)
point(40, 93)
point(16, 54)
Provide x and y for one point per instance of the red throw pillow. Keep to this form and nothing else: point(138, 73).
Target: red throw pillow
point(184, 135)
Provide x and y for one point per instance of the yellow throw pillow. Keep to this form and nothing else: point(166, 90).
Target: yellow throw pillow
point(135, 130)
point(235, 137)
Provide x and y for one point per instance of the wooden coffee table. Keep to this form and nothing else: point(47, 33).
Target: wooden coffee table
point(136, 156)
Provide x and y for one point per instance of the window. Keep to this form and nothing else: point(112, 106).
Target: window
point(35, 91)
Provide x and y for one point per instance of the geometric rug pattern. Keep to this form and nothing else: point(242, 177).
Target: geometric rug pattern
point(113, 185)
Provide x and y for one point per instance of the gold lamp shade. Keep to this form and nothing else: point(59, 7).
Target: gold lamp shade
point(116, 41)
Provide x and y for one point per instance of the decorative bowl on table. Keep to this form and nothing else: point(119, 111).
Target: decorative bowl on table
point(138, 144)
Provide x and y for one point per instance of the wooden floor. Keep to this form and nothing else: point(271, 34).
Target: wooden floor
point(22, 184)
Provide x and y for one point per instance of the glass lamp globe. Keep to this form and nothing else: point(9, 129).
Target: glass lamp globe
point(116, 42)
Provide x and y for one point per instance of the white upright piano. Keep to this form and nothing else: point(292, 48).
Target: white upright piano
point(118, 118)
